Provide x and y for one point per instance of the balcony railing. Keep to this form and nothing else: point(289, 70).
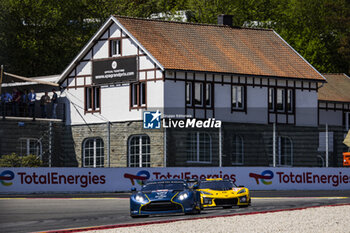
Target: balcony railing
point(35, 111)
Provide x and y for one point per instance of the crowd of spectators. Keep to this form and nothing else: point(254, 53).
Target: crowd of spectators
point(22, 103)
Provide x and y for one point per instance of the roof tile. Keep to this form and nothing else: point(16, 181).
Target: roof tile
point(336, 89)
point(222, 49)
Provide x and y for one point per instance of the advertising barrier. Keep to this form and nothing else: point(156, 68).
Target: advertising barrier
point(61, 180)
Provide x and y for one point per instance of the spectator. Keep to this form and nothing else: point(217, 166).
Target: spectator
point(25, 101)
point(2, 104)
point(45, 99)
point(16, 97)
point(31, 103)
point(7, 102)
point(54, 103)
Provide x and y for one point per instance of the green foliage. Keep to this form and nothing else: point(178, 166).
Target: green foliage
point(40, 37)
point(13, 160)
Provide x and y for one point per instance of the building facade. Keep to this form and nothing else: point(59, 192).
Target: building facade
point(264, 93)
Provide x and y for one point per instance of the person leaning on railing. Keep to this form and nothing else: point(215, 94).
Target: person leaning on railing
point(31, 102)
point(54, 104)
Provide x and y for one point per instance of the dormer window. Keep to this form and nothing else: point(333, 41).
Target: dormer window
point(115, 48)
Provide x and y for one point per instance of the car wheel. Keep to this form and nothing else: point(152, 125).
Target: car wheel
point(199, 208)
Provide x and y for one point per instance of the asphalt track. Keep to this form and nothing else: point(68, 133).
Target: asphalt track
point(33, 213)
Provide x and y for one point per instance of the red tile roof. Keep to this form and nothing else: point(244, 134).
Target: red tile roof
point(222, 49)
point(337, 88)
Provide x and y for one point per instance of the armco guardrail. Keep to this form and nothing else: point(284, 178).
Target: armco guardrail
point(59, 180)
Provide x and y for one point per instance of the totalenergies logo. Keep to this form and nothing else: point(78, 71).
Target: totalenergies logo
point(139, 177)
point(265, 175)
point(5, 176)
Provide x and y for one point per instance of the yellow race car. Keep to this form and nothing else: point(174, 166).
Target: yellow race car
point(222, 193)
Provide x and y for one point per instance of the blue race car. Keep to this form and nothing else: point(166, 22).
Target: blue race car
point(165, 197)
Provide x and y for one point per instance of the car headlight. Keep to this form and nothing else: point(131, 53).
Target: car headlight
point(139, 198)
point(183, 196)
point(205, 193)
point(241, 191)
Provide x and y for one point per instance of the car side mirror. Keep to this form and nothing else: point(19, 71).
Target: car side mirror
point(241, 186)
point(133, 189)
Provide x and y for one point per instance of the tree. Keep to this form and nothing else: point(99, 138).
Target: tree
point(40, 37)
point(13, 160)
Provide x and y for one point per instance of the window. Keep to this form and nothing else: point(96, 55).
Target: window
point(198, 94)
point(238, 97)
point(290, 100)
point(271, 99)
point(281, 100)
point(139, 148)
point(208, 94)
point(115, 48)
point(347, 120)
point(237, 147)
point(198, 147)
point(93, 152)
point(30, 146)
point(92, 99)
point(284, 151)
point(138, 94)
point(188, 94)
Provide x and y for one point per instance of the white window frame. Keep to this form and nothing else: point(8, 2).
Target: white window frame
point(188, 87)
point(116, 46)
point(283, 96)
point(134, 90)
point(93, 98)
point(235, 154)
point(197, 150)
point(28, 148)
point(236, 96)
point(271, 98)
point(201, 94)
point(94, 165)
point(142, 92)
point(140, 145)
point(290, 97)
point(208, 94)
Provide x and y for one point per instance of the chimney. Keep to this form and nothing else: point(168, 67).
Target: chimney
point(225, 20)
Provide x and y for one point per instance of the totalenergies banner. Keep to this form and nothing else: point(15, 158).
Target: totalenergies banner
point(56, 180)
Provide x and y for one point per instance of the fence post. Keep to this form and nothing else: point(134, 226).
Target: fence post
point(274, 145)
point(109, 143)
point(165, 147)
point(50, 143)
point(220, 147)
point(326, 144)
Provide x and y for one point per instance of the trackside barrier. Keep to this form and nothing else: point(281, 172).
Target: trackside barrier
point(61, 180)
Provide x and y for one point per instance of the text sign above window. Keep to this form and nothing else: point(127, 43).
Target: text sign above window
point(114, 70)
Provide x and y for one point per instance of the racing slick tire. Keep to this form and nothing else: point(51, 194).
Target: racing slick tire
point(196, 209)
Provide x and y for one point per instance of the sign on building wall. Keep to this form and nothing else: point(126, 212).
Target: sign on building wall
point(40, 180)
point(114, 70)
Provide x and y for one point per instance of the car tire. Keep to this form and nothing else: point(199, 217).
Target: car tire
point(227, 207)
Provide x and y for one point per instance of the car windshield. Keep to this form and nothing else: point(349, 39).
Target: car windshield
point(169, 185)
point(216, 185)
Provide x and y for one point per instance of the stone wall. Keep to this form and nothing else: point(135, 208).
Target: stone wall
point(119, 135)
